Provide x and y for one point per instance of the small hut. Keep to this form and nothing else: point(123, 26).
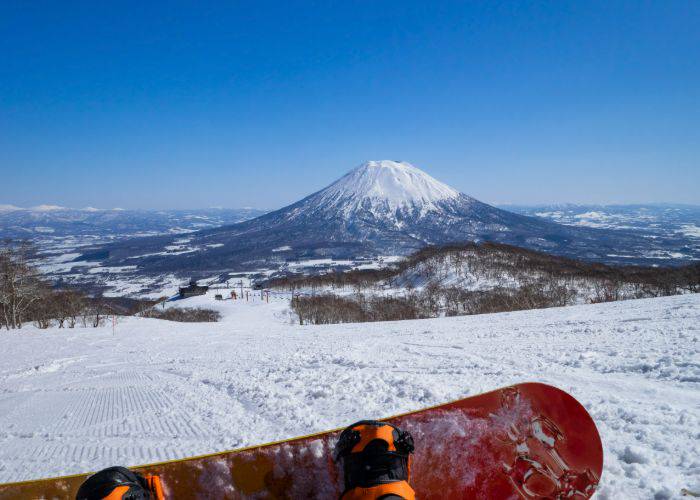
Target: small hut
point(192, 289)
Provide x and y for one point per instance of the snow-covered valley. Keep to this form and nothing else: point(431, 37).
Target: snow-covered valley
point(149, 390)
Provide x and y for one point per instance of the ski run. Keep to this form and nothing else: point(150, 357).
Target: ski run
point(147, 390)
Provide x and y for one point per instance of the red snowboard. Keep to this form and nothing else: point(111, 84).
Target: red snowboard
point(529, 441)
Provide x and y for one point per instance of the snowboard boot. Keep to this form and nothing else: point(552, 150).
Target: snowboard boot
point(119, 483)
point(376, 461)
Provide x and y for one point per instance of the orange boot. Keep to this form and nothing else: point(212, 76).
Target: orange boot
point(376, 460)
point(119, 483)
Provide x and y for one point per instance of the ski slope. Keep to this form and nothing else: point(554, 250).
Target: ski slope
point(78, 400)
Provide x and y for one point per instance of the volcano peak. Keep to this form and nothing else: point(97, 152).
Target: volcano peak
point(387, 183)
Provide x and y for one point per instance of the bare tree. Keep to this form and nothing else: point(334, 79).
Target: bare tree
point(68, 305)
point(19, 284)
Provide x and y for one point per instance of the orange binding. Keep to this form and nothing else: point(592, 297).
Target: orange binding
point(155, 487)
point(376, 461)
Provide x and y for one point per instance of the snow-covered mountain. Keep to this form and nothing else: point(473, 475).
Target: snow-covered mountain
point(378, 208)
point(384, 206)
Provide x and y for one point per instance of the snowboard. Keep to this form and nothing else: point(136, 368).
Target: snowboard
point(530, 441)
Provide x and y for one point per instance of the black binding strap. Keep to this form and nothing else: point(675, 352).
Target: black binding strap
point(367, 469)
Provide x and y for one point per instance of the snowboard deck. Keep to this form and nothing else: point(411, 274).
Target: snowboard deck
point(529, 441)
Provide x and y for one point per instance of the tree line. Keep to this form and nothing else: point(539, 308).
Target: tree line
point(27, 298)
point(431, 302)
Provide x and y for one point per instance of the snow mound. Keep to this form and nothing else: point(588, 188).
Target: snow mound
point(388, 184)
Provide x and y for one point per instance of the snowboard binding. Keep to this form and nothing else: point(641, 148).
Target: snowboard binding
point(119, 483)
point(376, 460)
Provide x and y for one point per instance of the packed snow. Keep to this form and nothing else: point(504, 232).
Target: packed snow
point(145, 390)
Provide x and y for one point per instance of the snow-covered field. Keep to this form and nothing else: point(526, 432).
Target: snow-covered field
point(77, 400)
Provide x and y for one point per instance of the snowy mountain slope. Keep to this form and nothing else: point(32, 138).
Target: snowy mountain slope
point(76, 400)
point(379, 208)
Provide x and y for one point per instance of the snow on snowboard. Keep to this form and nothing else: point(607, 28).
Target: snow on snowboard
point(529, 441)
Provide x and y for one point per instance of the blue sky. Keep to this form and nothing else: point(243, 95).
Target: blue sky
point(182, 105)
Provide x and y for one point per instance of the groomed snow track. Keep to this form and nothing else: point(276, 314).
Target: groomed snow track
point(81, 399)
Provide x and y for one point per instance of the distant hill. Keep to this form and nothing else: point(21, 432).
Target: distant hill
point(488, 266)
point(50, 221)
point(657, 219)
point(473, 279)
